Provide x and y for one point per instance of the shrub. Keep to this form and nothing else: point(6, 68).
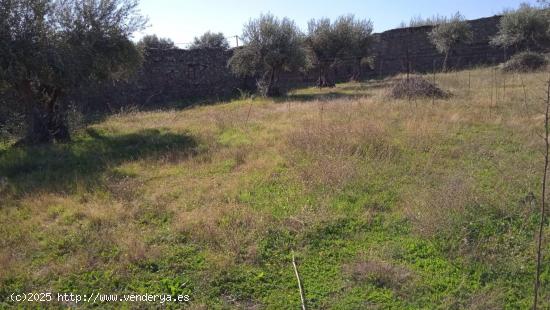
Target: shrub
point(52, 48)
point(524, 29)
point(416, 87)
point(419, 21)
point(271, 47)
point(449, 34)
point(333, 42)
point(210, 40)
point(525, 62)
point(153, 42)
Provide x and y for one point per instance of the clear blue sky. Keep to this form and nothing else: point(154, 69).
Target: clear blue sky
point(182, 20)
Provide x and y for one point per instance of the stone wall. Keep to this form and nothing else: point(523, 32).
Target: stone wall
point(399, 48)
point(181, 75)
point(167, 76)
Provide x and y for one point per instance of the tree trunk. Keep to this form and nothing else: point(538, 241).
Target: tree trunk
point(59, 128)
point(37, 128)
point(46, 120)
point(267, 84)
point(57, 118)
point(270, 85)
point(324, 79)
point(358, 74)
point(271, 89)
point(445, 62)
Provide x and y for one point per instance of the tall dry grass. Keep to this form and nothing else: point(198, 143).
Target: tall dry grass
point(429, 154)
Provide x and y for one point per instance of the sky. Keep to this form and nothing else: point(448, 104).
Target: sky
point(182, 20)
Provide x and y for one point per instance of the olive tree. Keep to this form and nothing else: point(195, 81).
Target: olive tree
point(271, 46)
point(332, 42)
point(524, 29)
point(154, 42)
point(210, 40)
point(49, 48)
point(449, 33)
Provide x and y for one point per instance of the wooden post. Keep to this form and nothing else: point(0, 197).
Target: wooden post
point(469, 83)
point(492, 85)
point(321, 111)
point(504, 90)
point(433, 94)
point(496, 87)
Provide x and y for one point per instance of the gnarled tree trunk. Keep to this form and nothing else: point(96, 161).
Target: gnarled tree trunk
point(46, 119)
point(357, 70)
point(267, 85)
point(57, 117)
point(445, 61)
point(37, 128)
point(324, 76)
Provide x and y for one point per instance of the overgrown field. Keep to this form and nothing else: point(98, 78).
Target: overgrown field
point(386, 204)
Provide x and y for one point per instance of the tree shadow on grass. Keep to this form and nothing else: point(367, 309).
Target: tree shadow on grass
point(351, 91)
point(364, 88)
point(83, 162)
point(318, 97)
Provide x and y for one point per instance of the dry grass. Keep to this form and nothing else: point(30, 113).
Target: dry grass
point(492, 300)
point(429, 164)
point(328, 152)
point(435, 209)
point(230, 229)
point(379, 273)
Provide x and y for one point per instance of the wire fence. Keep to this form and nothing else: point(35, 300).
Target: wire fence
point(490, 84)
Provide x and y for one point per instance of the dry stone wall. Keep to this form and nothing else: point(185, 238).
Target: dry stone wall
point(399, 49)
point(167, 76)
point(181, 75)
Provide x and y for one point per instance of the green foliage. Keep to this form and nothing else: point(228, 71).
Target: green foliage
point(152, 41)
point(526, 28)
point(345, 37)
point(11, 118)
point(281, 196)
point(450, 33)
point(271, 46)
point(210, 40)
point(332, 42)
point(48, 48)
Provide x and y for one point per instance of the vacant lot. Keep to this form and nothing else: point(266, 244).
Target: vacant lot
point(390, 204)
